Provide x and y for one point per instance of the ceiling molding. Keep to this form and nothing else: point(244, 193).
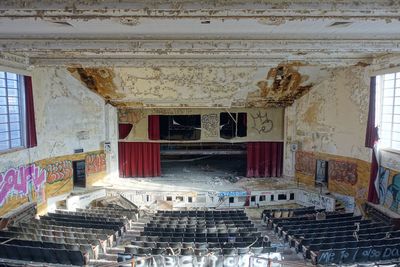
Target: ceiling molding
point(205, 62)
point(181, 46)
point(91, 9)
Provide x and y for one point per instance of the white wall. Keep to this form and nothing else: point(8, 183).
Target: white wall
point(68, 116)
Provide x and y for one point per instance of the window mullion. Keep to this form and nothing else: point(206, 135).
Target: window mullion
point(394, 101)
point(21, 110)
point(8, 111)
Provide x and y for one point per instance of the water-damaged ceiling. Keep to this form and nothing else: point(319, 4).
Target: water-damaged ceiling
point(199, 53)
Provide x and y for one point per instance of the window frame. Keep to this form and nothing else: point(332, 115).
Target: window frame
point(22, 112)
point(379, 106)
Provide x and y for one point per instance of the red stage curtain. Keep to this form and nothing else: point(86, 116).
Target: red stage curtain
point(154, 127)
point(139, 159)
point(124, 129)
point(31, 140)
point(264, 159)
point(371, 138)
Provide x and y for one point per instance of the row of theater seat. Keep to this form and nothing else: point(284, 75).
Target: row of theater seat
point(41, 254)
point(286, 212)
point(64, 237)
point(338, 238)
point(194, 213)
point(198, 233)
point(271, 221)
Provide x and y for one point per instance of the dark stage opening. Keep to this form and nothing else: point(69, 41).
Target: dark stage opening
point(222, 160)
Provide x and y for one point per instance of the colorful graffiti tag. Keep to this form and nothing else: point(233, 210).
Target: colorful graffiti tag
point(305, 163)
point(343, 171)
point(382, 184)
point(59, 171)
point(393, 193)
point(20, 181)
point(95, 163)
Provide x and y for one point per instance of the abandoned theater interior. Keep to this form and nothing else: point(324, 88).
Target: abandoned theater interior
point(200, 133)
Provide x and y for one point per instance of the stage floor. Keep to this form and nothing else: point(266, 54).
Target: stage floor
point(204, 174)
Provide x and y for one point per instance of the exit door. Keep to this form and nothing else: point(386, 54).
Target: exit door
point(79, 173)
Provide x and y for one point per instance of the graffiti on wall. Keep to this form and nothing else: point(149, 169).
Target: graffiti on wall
point(305, 162)
point(95, 163)
point(261, 123)
point(343, 171)
point(245, 260)
point(393, 193)
point(383, 177)
point(210, 125)
point(232, 194)
point(59, 171)
point(314, 199)
point(347, 201)
point(21, 182)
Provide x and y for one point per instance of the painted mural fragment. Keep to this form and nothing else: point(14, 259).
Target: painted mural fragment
point(22, 182)
point(59, 171)
point(95, 163)
point(343, 171)
point(305, 163)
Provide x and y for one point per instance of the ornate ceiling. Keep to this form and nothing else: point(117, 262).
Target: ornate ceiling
point(187, 53)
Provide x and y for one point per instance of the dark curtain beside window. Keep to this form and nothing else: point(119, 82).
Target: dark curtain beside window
point(139, 159)
point(124, 129)
point(264, 159)
point(31, 140)
point(371, 138)
point(154, 127)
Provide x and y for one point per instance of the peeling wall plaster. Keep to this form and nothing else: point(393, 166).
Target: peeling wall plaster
point(63, 109)
point(332, 117)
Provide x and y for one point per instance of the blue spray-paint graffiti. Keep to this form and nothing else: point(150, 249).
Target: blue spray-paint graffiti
point(394, 190)
point(232, 194)
point(383, 184)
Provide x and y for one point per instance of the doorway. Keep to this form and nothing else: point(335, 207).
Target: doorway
point(79, 168)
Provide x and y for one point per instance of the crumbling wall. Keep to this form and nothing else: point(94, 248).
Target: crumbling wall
point(329, 123)
point(68, 116)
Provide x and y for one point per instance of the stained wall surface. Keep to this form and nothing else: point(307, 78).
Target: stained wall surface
point(263, 124)
point(329, 123)
point(68, 116)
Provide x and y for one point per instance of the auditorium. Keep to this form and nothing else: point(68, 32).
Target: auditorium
point(216, 133)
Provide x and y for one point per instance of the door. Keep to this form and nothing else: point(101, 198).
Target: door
point(79, 173)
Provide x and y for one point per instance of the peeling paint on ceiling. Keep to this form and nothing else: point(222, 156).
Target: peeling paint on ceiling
point(99, 80)
point(200, 87)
